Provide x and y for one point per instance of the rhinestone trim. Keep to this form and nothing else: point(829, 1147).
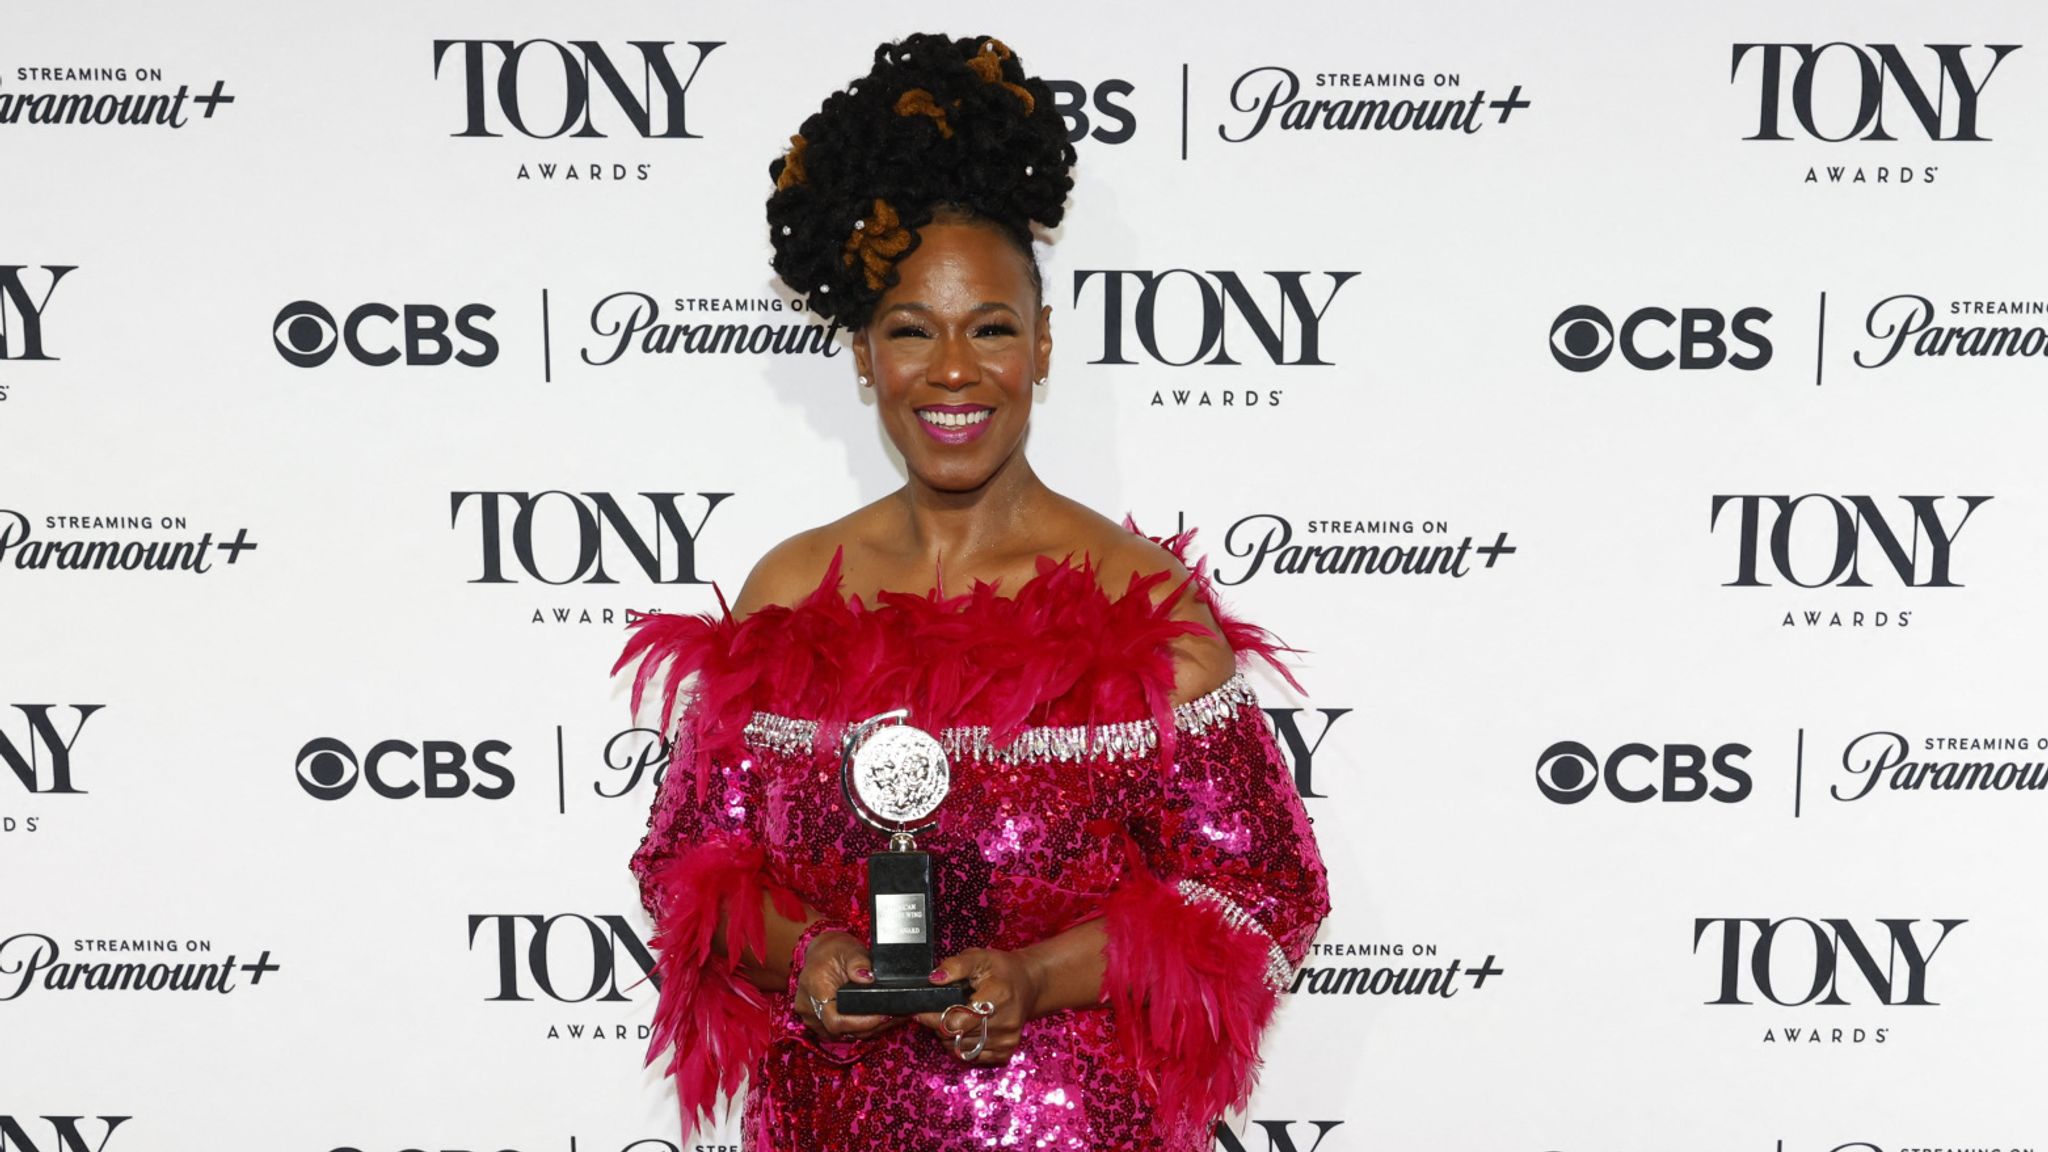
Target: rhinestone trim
point(1125, 740)
point(781, 734)
point(1278, 970)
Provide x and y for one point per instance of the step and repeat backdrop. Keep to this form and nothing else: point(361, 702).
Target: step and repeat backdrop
point(1634, 412)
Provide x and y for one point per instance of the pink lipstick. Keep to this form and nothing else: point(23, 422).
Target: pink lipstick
point(955, 423)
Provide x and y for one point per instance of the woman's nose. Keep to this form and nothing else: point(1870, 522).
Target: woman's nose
point(955, 365)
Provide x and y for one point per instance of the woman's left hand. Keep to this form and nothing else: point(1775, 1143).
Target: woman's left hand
point(1007, 982)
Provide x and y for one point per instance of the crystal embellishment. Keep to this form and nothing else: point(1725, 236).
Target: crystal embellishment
point(783, 735)
point(1278, 970)
point(1122, 741)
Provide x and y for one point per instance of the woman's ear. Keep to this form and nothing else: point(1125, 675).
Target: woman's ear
point(1044, 341)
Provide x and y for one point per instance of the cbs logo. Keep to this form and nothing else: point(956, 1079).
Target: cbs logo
point(1568, 772)
point(650, 1144)
point(1073, 101)
point(329, 769)
point(306, 335)
point(1582, 337)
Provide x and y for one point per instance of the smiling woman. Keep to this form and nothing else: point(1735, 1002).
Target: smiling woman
point(1123, 876)
point(953, 352)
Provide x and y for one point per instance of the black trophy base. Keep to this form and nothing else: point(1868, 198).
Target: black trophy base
point(900, 908)
point(902, 996)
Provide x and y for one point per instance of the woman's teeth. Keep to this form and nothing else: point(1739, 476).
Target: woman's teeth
point(953, 419)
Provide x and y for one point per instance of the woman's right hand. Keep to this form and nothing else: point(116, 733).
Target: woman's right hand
point(832, 960)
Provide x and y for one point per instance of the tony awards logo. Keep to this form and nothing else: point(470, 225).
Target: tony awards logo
point(894, 776)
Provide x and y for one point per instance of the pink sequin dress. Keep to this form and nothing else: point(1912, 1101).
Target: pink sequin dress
point(1079, 791)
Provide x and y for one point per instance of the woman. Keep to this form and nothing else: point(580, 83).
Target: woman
point(1124, 874)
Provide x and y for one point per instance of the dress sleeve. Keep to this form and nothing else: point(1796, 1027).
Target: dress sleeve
point(703, 868)
point(1222, 892)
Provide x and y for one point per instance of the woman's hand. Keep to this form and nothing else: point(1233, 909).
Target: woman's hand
point(831, 961)
point(1007, 982)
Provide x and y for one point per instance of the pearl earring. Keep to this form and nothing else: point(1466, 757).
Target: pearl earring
point(864, 382)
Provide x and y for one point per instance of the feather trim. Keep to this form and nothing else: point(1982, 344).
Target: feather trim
point(1189, 995)
point(1061, 651)
point(717, 1023)
point(1244, 637)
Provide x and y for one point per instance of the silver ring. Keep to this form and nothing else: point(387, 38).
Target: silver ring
point(981, 1008)
point(980, 1043)
point(945, 1019)
point(818, 1006)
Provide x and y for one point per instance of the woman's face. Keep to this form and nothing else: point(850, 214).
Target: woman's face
point(952, 351)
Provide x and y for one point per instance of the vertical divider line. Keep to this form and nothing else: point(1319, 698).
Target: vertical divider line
point(1799, 774)
point(547, 351)
point(1821, 345)
point(1183, 111)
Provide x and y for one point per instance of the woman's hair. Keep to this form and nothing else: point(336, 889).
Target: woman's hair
point(938, 126)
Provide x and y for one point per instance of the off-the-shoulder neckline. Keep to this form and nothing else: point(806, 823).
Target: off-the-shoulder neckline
point(829, 589)
point(1061, 650)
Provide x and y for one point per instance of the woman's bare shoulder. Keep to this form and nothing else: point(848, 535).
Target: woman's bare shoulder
point(792, 570)
point(1203, 661)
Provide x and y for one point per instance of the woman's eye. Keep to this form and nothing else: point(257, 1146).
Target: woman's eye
point(907, 331)
point(995, 330)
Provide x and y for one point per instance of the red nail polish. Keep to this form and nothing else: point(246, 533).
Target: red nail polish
point(864, 973)
point(938, 975)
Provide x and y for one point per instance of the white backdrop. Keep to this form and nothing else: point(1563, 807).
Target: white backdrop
point(158, 785)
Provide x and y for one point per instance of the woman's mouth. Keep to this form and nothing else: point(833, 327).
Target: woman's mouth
point(954, 423)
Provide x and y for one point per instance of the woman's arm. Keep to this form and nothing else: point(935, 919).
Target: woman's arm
point(832, 959)
point(1065, 971)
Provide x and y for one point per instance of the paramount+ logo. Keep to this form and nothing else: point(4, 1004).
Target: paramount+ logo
point(328, 769)
point(1568, 772)
point(1654, 338)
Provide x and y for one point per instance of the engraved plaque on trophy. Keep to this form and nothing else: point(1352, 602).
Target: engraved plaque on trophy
point(894, 776)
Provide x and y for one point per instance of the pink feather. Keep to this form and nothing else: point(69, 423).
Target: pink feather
point(1061, 650)
point(1189, 994)
point(717, 1023)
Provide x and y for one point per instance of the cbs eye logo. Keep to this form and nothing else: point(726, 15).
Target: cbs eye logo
point(329, 769)
point(306, 335)
point(1582, 338)
point(1568, 772)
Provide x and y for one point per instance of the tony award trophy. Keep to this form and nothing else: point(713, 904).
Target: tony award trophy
point(894, 776)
